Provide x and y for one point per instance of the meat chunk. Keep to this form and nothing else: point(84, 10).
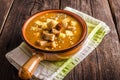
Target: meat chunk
point(54, 31)
point(48, 36)
point(65, 22)
point(58, 27)
point(51, 23)
point(51, 45)
point(41, 43)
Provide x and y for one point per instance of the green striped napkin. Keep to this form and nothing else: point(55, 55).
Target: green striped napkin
point(57, 70)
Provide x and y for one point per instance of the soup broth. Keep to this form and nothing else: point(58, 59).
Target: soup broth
point(53, 31)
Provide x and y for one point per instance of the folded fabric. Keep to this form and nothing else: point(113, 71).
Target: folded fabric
point(57, 70)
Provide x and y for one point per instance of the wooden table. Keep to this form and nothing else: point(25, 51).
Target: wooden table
point(102, 64)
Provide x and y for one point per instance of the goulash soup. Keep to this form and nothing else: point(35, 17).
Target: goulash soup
point(53, 31)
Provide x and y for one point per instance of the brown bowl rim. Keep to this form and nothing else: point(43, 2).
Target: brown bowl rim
point(78, 18)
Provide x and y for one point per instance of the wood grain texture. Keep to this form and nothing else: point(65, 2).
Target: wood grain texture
point(115, 10)
point(67, 3)
point(108, 51)
point(45, 5)
point(5, 6)
point(11, 36)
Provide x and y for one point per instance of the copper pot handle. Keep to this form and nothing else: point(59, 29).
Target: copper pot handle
point(27, 70)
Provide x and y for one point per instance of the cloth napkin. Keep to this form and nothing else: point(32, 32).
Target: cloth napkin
point(57, 70)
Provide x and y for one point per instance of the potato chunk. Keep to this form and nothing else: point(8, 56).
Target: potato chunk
point(44, 25)
point(38, 23)
point(53, 44)
point(73, 23)
point(62, 35)
point(69, 33)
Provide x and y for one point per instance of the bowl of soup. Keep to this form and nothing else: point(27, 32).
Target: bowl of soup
point(52, 35)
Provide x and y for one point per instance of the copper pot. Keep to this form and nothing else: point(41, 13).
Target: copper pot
point(27, 70)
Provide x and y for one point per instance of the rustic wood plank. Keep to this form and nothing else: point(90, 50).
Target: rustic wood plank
point(115, 9)
point(20, 12)
point(5, 6)
point(11, 35)
point(67, 3)
point(44, 5)
point(108, 51)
